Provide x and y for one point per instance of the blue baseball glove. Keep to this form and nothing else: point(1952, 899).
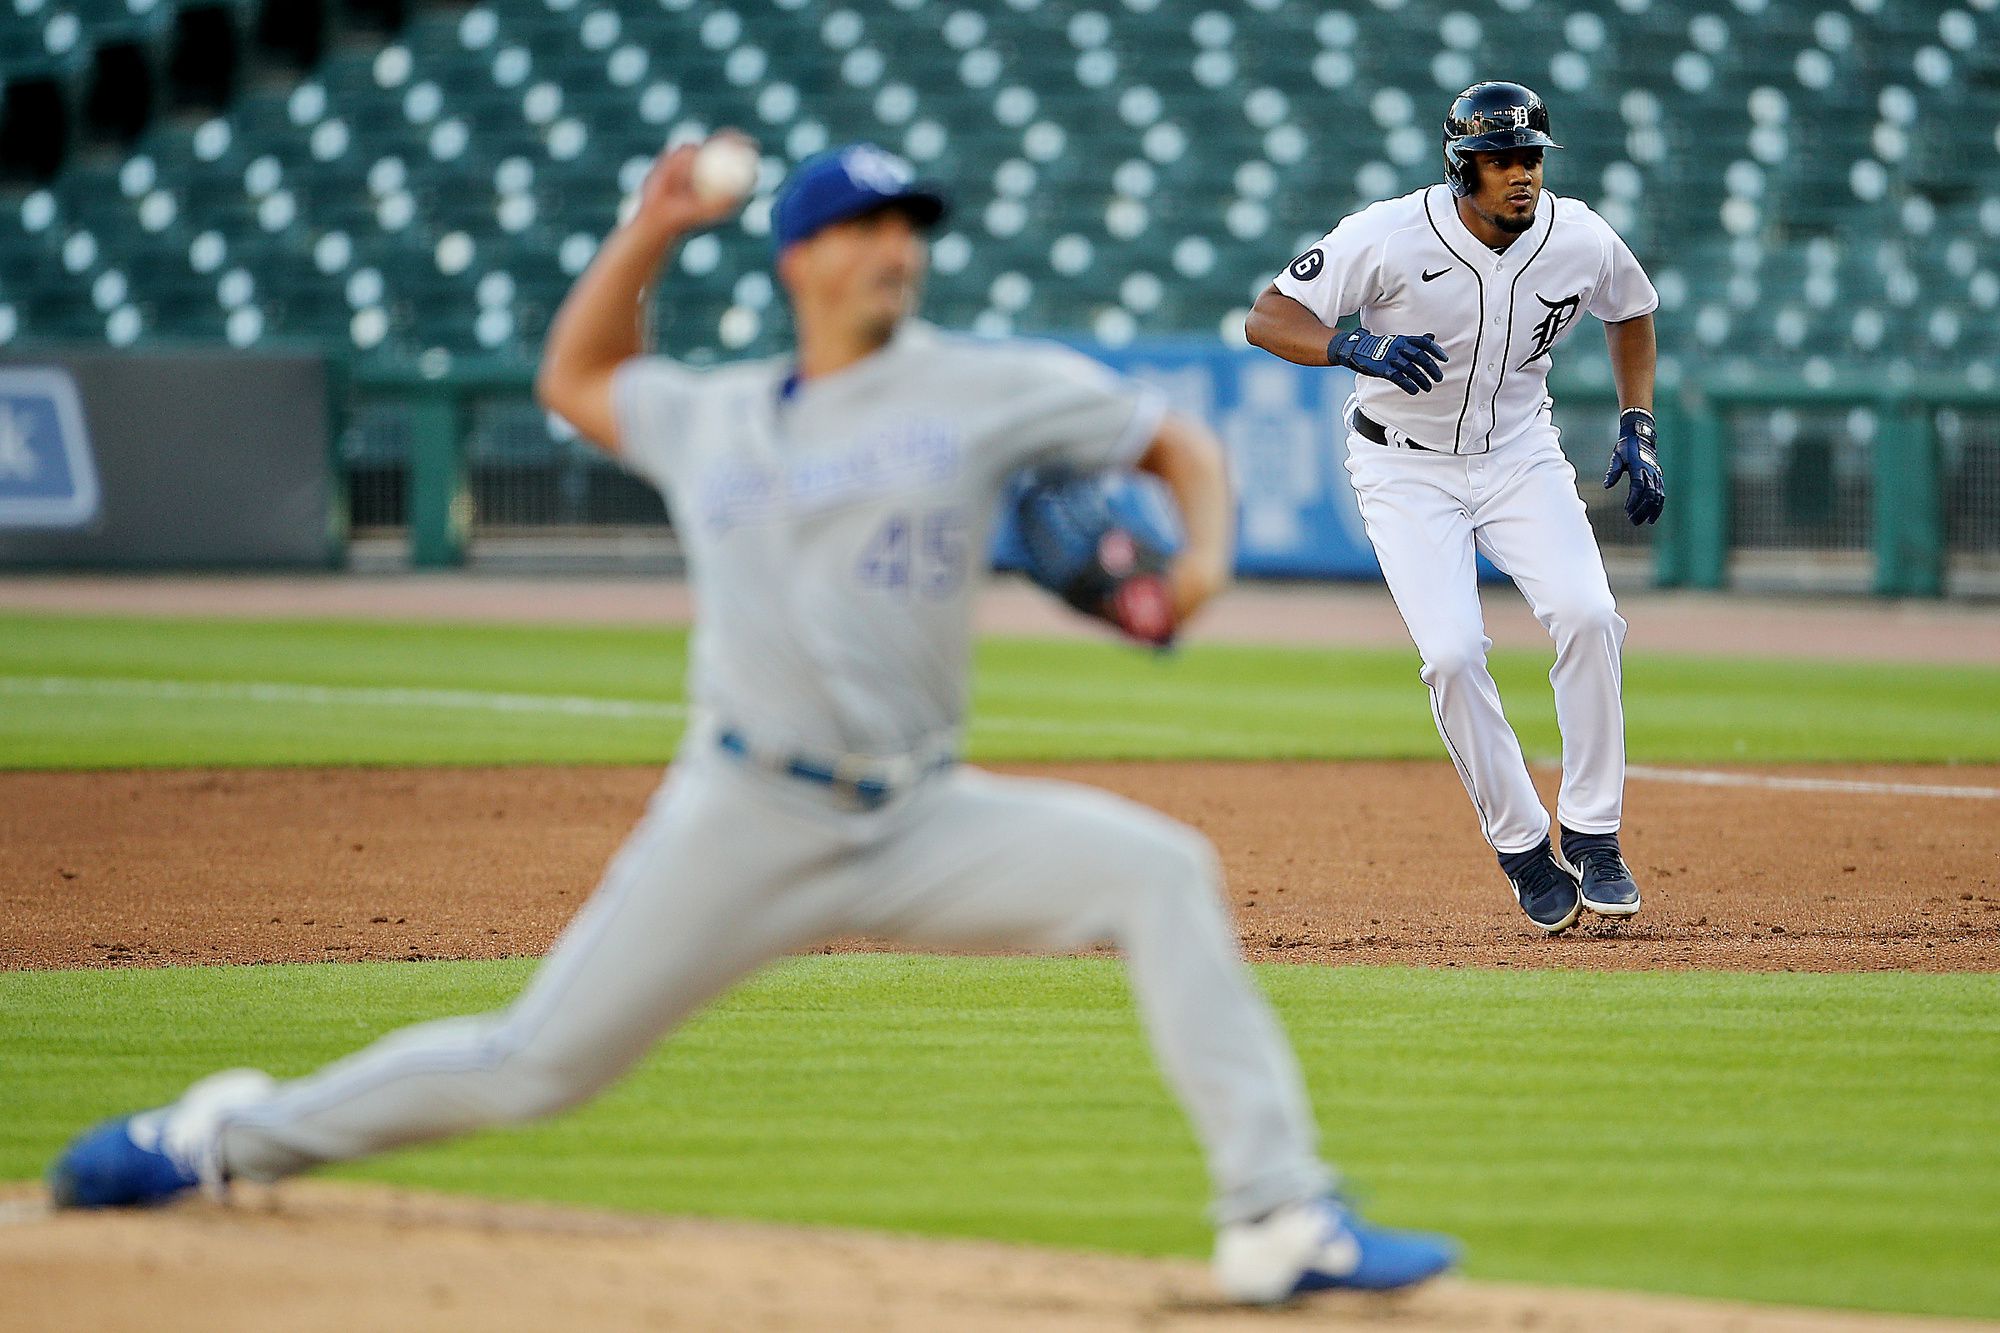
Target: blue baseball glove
point(1090, 543)
point(1635, 454)
point(1410, 362)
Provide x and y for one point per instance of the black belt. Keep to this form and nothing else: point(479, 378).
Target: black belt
point(1370, 429)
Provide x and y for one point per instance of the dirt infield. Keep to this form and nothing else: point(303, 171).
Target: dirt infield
point(1327, 863)
point(336, 1257)
point(149, 868)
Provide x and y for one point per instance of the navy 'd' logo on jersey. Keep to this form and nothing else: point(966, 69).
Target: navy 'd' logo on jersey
point(1561, 315)
point(1307, 266)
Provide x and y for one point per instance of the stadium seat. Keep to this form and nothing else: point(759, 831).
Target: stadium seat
point(1120, 168)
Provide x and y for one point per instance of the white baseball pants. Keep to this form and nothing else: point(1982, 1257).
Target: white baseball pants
point(1427, 514)
point(732, 867)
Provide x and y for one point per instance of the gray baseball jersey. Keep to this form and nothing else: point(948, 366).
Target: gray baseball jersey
point(837, 529)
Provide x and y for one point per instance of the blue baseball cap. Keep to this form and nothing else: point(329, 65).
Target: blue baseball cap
point(845, 183)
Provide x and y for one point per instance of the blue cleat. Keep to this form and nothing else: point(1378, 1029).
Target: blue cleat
point(1547, 891)
point(154, 1156)
point(1321, 1245)
point(1608, 886)
point(108, 1167)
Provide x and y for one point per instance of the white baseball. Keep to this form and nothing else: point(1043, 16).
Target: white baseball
point(724, 169)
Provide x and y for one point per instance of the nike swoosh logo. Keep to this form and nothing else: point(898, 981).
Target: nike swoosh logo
point(1439, 274)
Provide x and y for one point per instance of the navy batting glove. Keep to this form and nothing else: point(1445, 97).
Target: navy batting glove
point(1635, 454)
point(1410, 363)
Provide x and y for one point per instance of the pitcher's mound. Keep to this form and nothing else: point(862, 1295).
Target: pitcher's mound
point(312, 1256)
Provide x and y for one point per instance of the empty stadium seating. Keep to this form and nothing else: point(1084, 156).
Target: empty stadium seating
point(1813, 183)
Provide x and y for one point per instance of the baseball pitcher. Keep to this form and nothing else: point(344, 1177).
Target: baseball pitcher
point(836, 506)
point(1463, 291)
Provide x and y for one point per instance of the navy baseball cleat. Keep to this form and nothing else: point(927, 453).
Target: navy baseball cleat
point(1319, 1245)
point(1547, 891)
point(152, 1156)
point(1608, 886)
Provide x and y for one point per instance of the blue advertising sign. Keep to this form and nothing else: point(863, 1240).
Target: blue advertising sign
point(1281, 423)
point(47, 476)
point(1287, 450)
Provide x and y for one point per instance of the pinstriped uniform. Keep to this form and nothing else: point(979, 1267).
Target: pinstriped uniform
point(1474, 467)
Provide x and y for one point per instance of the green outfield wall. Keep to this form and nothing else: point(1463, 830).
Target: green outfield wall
point(1895, 487)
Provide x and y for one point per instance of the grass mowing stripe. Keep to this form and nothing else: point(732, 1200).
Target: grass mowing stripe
point(569, 706)
point(1032, 699)
point(566, 706)
point(1825, 1140)
point(312, 696)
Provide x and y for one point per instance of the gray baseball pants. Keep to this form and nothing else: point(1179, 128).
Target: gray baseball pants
point(732, 867)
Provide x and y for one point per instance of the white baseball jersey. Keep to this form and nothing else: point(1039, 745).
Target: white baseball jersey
point(836, 530)
point(1409, 265)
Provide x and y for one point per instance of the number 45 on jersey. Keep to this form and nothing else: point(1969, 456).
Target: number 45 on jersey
point(920, 553)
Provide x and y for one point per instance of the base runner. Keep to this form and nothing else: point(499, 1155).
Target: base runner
point(1464, 290)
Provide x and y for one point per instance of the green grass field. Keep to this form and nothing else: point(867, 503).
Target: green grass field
point(1828, 1140)
point(1806, 1139)
point(77, 692)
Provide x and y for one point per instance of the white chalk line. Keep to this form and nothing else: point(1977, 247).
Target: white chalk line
point(270, 692)
point(267, 692)
point(575, 706)
point(1697, 777)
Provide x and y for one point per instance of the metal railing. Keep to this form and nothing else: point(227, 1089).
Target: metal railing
point(1903, 475)
point(1897, 484)
point(466, 452)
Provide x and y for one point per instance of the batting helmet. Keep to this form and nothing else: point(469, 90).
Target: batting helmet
point(1490, 118)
